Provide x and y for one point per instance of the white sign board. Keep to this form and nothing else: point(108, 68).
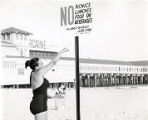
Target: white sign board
point(77, 17)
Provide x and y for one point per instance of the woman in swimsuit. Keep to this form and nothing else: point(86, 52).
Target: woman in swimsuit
point(39, 85)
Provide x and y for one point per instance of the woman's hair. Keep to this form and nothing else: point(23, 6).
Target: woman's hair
point(32, 63)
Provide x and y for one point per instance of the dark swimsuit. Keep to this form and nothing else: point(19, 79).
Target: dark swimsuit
point(39, 100)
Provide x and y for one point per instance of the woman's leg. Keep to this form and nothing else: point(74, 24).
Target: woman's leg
point(41, 116)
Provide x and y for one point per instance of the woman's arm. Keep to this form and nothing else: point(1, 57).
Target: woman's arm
point(47, 67)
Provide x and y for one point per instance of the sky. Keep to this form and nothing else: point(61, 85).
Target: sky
point(119, 27)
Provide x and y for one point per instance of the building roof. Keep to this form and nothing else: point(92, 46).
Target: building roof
point(109, 62)
point(141, 63)
point(15, 30)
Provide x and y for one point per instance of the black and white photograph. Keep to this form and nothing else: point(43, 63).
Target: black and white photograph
point(74, 60)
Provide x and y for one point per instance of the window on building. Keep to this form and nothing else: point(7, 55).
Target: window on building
point(21, 52)
point(17, 36)
point(89, 67)
point(141, 70)
point(144, 69)
point(86, 67)
point(116, 68)
point(122, 69)
point(93, 67)
point(21, 71)
point(8, 36)
point(3, 36)
point(96, 68)
point(81, 67)
point(132, 69)
point(21, 36)
point(119, 69)
point(25, 37)
point(106, 68)
point(9, 64)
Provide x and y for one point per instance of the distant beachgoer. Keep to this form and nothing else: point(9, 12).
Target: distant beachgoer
point(39, 85)
point(62, 89)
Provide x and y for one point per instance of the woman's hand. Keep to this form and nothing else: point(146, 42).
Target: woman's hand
point(65, 50)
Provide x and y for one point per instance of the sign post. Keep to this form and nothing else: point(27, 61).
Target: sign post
point(77, 78)
point(77, 18)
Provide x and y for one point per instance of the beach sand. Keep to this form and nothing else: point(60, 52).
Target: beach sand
point(104, 103)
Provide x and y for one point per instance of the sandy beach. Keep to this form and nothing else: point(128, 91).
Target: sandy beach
point(104, 103)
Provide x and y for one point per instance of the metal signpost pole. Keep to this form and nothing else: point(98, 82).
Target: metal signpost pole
point(77, 78)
